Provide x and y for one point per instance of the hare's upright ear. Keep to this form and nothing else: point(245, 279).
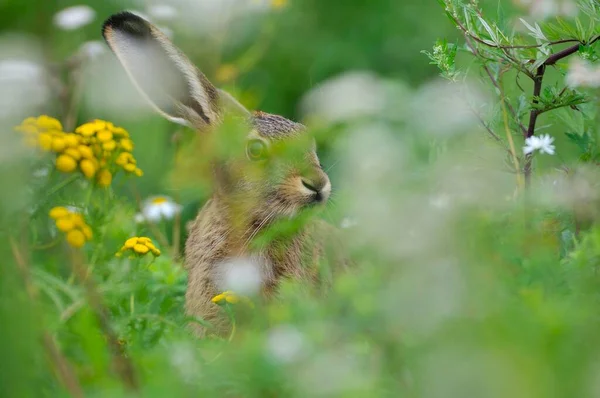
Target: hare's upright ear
point(163, 74)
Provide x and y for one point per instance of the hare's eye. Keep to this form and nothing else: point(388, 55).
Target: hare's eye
point(256, 150)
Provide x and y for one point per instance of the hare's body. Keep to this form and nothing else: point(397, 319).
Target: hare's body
point(271, 173)
point(214, 239)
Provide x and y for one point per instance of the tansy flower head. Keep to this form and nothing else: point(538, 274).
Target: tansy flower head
point(72, 224)
point(110, 143)
point(44, 132)
point(226, 297)
point(229, 297)
point(278, 3)
point(139, 246)
point(94, 149)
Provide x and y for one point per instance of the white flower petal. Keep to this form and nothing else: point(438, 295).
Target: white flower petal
point(93, 49)
point(139, 218)
point(157, 208)
point(153, 213)
point(75, 17)
point(162, 11)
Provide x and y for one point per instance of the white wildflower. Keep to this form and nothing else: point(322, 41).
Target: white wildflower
point(92, 49)
point(285, 343)
point(157, 208)
point(582, 74)
point(244, 276)
point(348, 96)
point(23, 86)
point(75, 17)
point(348, 222)
point(41, 172)
point(549, 8)
point(543, 143)
point(162, 11)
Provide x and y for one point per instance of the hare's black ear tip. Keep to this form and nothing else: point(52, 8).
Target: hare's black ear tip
point(126, 22)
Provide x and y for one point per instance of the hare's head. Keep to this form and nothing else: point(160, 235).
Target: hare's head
point(276, 169)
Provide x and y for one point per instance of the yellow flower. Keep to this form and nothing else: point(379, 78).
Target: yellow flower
point(73, 225)
point(140, 249)
point(71, 140)
point(139, 246)
point(88, 129)
point(121, 132)
point(127, 144)
point(104, 178)
point(40, 124)
point(73, 152)
point(87, 232)
point(104, 135)
point(48, 123)
point(87, 168)
point(124, 158)
point(76, 238)
point(45, 141)
point(65, 163)
point(65, 224)
point(278, 3)
point(226, 297)
point(58, 212)
point(226, 73)
point(109, 145)
point(85, 151)
point(58, 144)
point(130, 167)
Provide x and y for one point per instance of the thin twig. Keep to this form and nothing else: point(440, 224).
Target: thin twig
point(496, 84)
point(506, 47)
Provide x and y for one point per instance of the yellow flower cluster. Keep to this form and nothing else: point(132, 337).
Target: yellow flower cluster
point(92, 148)
point(109, 142)
point(40, 131)
point(72, 224)
point(140, 246)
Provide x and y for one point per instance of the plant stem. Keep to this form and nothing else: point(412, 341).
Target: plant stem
point(61, 365)
point(533, 115)
point(123, 365)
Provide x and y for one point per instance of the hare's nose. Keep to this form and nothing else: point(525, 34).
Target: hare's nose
point(319, 187)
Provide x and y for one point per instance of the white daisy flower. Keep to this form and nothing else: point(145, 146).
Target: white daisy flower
point(24, 85)
point(285, 343)
point(157, 208)
point(92, 49)
point(41, 172)
point(75, 17)
point(348, 222)
point(543, 143)
point(162, 11)
point(582, 74)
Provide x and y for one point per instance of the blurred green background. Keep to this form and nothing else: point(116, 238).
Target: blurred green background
point(291, 50)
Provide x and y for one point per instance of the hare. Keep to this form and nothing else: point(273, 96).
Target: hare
point(244, 201)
